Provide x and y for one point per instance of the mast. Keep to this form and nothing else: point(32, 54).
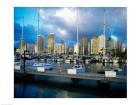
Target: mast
point(38, 23)
point(77, 32)
point(37, 30)
point(104, 49)
point(22, 33)
point(77, 25)
point(22, 28)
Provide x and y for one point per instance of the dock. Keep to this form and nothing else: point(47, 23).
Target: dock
point(86, 75)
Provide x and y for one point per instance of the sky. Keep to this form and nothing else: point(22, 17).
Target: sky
point(63, 23)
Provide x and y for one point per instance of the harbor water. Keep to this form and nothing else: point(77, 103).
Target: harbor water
point(61, 87)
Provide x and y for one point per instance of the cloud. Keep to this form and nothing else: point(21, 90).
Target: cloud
point(68, 15)
point(62, 21)
point(42, 14)
point(29, 33)
point(62, 32)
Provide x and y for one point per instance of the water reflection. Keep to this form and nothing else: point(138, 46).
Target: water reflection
point(68, 89)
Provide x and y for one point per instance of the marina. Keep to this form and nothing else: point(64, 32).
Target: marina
point(61, 70)
point(84, 58)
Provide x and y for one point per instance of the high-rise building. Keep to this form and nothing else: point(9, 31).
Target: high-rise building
point(59, 49)
point(97, 44)
point(50, 47)
point(94, 45)
point(31, 48)
point(101, 43)
point(65, 46)
point(119, 47)
point(89, 48)
point(35, 49)
point(109, 47)
point(110, 44)
point(22, 46)
point(76, 49)
point(70, 50)
point(40, 45)
point(83, 46)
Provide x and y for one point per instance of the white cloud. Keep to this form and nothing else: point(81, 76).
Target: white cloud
point(68, 14)
point(63, 20)
point(43, 14)
point(114, 37)
point(62, 32)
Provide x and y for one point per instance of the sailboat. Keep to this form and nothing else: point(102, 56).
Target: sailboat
point(78, 68)
point(105, 58)
point(116, 59)
point(109, 72)
point(18, 64)
point(41, 67)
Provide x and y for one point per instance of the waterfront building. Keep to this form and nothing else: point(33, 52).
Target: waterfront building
point(89, 48)
point(31, 48)
point(97, 44)
point(111, 43)
point(40, 45)
point(35, 49)
point(101, 39)
point(76, 48)
point(50, 45)
point(94, 45)
point(83, 46)
point(111, 47)
point(65, 46)
point(22, 46)
point(119, 47)
point(59, 49)
point(70, 50)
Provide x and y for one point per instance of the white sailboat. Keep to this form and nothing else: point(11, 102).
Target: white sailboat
point(105, 58)
point(18, 64)
point(116, 59)
point(78, 68)
point(67, 61)
point(109, 72)
point(41, 67)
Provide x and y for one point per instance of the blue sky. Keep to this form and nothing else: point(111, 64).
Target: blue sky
point(62, 22)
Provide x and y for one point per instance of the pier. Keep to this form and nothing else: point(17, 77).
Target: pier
point(86, 75)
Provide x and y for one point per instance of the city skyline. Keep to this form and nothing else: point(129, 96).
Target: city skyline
point(62, 22)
